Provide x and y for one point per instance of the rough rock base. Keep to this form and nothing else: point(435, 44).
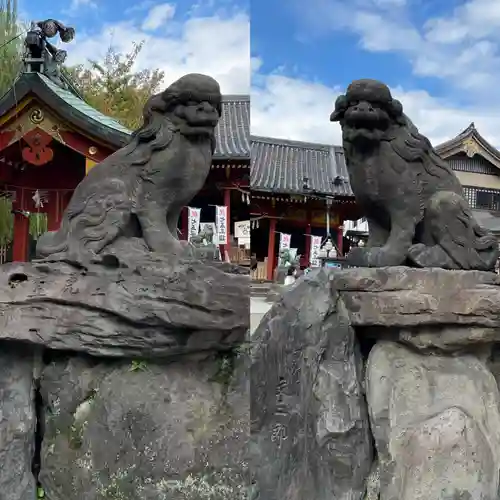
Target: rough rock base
point(433, 403)
point(17, 424)
point(133, 431)
point(436, 424)
point(310, 429)
point(123, 383)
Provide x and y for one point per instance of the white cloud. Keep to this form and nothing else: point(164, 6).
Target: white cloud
point(295, 109)
point(158, 15)
point(389, 3)
point(76, 5)
point(217, 45)
point(474, 19)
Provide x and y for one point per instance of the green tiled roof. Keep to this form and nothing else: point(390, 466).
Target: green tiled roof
point(83, 107)
point(232, 133)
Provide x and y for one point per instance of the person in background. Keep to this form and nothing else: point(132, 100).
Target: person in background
point(253, 262)
point(290, 278)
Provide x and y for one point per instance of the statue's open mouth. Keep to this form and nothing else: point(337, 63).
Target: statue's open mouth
point(205, 121)
point(209, 123)
point(363, 121)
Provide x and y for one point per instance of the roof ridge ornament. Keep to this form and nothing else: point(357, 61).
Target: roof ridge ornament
point(40, 56)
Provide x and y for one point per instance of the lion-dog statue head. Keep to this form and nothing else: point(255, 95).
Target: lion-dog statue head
point(367, 112)
point(192, 104)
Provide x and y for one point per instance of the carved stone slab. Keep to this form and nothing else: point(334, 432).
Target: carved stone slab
point(407, 297)
point(310, 430)
point(153, 310)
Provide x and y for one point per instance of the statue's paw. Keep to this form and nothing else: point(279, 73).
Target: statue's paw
point(168, 246)
point(418, 254)
point(357, 256)
point(374, 257)
point(421, 255)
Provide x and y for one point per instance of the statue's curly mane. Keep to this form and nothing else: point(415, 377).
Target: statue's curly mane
point(427, 215)
point(156, 132)
point(416, 149)
point(413, 147)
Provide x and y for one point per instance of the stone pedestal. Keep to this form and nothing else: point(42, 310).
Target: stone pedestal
point(420, 384)
point(124, 383)
point(17, 423)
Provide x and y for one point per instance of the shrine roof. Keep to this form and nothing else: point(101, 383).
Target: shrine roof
point(471, 142)
point(232, 132)
point(295, 167)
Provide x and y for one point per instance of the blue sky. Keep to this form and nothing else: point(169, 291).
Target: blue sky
point(440, 58)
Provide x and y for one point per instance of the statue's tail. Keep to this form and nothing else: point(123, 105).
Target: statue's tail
point(52, 242)
point(82, 223)
point(461, 237)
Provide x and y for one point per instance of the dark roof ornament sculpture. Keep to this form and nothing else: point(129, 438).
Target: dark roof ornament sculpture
point(43, 57)
point(413, 202)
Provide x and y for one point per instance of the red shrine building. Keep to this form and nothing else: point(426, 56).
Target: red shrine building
point(50, 138)
point(299, 189)
point(302, 190)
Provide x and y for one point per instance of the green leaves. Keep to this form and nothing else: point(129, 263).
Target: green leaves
point(138, 366)
point(113, 87)
point(6, 221)
point(11, 53)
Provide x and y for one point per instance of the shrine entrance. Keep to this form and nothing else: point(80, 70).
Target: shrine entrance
point(50, 138)
point(35, 195)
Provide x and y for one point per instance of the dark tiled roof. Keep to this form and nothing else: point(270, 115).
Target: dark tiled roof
point(233, 131)
point(488, 219)
point(280, 166)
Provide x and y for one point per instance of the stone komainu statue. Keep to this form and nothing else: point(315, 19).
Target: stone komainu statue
point(139, 191)
point(413, 202)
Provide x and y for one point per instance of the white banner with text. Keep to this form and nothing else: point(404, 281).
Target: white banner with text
point(194, 215)
point(221, 216)
point(314, 252)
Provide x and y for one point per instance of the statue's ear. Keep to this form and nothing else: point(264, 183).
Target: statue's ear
point(395, 109)
point(340, 108)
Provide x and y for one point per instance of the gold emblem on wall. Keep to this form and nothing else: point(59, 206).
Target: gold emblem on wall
point(470, 147)
point(36, 116)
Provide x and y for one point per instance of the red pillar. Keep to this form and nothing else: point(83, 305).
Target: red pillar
point(184, 223)
point(53, 214)
point(227, 203)
point(270, 248)
point(307, 253)
point(340, 240)
point(20, 243)
point(21, 238)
